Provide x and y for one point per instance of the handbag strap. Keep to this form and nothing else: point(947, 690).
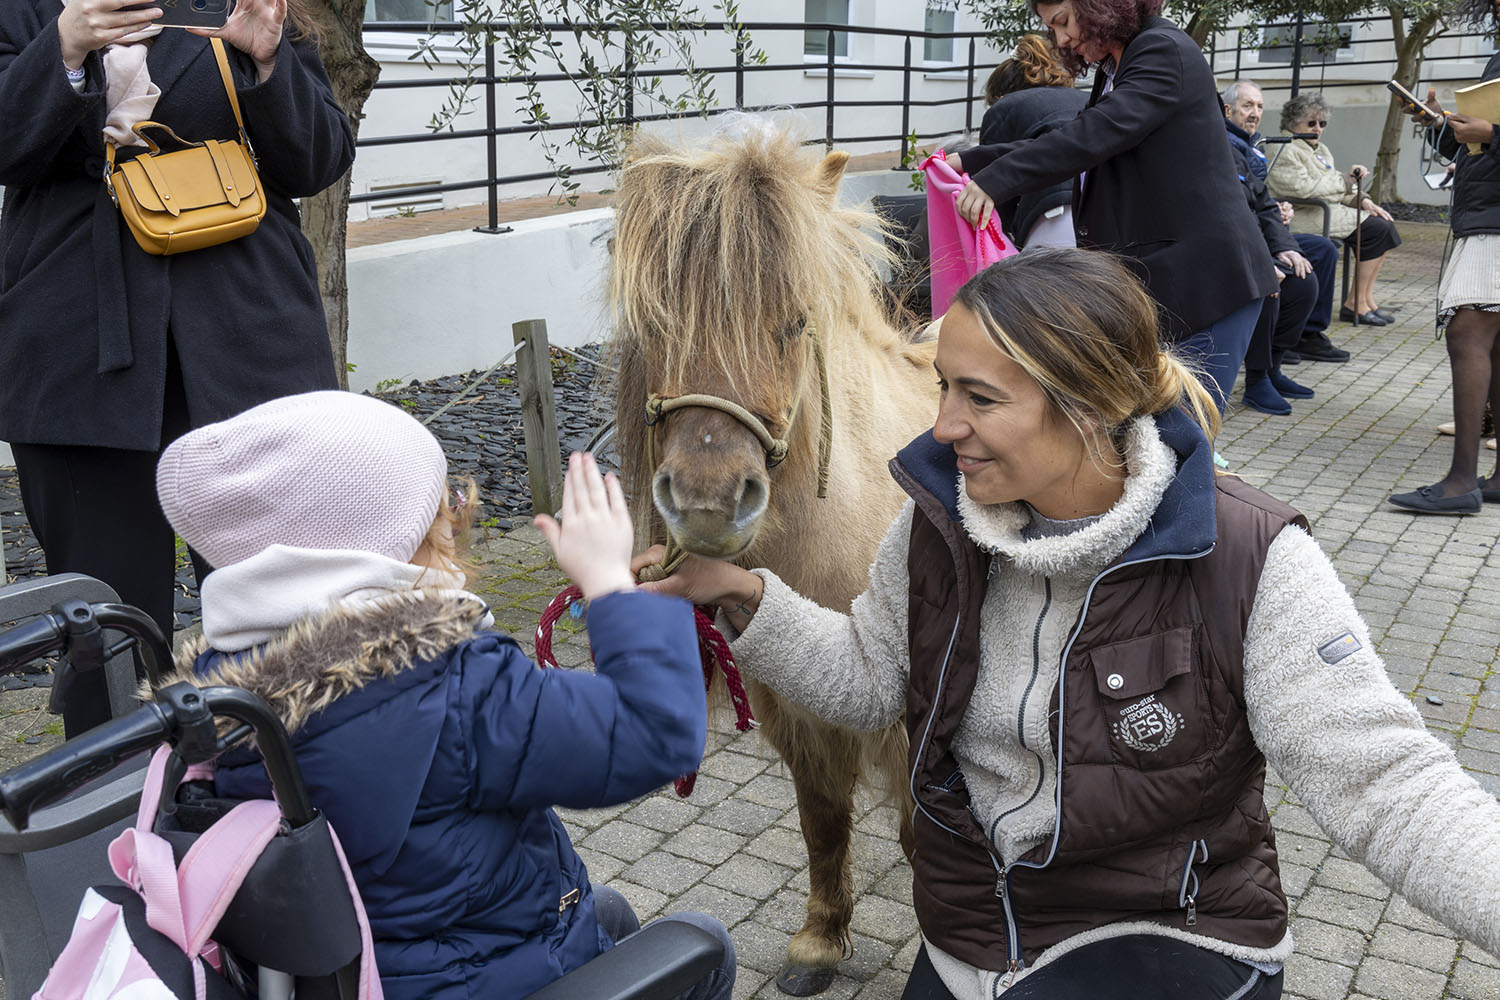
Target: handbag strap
point(234, 99)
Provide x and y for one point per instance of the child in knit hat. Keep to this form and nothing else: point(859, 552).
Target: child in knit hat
point(435, 747)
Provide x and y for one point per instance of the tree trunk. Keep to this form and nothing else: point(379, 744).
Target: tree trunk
point(1410, 45)
point(325, 216)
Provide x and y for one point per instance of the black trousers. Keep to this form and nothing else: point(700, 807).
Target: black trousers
point(94, 511)
point(1282, 321)
point(1122, 968)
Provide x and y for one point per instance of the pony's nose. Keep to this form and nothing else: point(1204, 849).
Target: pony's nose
point(748, 503)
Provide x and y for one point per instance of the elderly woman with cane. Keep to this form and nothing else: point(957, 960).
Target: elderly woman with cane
point(1305, 170)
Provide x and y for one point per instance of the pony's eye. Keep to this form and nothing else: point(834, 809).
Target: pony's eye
point(794, 329)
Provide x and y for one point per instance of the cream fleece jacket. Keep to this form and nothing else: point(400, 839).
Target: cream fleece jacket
point(1351, 747)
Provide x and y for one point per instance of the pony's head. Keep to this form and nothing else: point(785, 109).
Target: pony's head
point(728, 260)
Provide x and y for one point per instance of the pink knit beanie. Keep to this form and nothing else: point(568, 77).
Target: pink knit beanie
point(323, 470)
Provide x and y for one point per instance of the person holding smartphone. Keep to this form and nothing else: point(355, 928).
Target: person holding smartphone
point(109, 353)
point(1469, 294)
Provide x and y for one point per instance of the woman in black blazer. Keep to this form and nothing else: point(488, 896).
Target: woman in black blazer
point(1149, 183)
point(106, 352)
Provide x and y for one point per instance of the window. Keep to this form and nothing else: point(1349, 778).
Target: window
point(408, 10)
point(941, 15)
point(1321, 43)
point(815, 40)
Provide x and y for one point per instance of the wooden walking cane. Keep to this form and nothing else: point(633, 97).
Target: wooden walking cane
point(1359, 200)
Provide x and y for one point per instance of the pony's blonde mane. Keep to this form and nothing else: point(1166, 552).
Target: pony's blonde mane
point(722, 254)
point(722, 249)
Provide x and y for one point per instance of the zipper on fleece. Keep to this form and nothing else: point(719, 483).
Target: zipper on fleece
point(1012, 934)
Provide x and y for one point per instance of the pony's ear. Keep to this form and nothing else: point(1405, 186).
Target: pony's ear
point(830, 172)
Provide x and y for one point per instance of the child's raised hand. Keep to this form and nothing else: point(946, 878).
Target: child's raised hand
point(593, 542)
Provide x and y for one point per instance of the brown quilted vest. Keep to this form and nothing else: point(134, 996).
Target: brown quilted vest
point(1160, 809)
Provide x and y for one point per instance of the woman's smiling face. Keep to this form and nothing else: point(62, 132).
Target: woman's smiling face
point(1011, 442)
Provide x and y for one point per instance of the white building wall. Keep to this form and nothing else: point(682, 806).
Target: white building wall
point(408, 111)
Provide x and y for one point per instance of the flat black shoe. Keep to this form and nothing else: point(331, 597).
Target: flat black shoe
point(1384, 315)
point(1319, 348)
point(1491, 494)
point(1291, 358)
point(1346, 315)
point(1430, 500)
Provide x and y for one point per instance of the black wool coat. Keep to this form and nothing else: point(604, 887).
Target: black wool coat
point(1026, 114)
point(85, 314)
point(1160, 188)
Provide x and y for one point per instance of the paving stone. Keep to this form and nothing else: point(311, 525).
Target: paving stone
point(1329, 941)
point(1387, 980)
point(770, 790)
point(1351, 876)
point(1346, 909)
point(780, 845)
point(1474, 981)
point(623, 840)
point(705, 844)
point(739, 816)
point(786, 911)
point(1317, 979)
point(886, 919)
point(647, 903)
point(727, 907)
point(1400, 911)
point(666, 873)
point(1408, 947)
point(869, 958)
point(731, 766)
point(752, 876)
point(758, 946)
point(663, 812)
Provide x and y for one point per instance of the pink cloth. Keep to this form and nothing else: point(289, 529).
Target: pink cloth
point(957, 250)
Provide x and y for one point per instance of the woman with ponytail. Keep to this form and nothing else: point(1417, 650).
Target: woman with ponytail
point(1029, 94)
point(1099, 646)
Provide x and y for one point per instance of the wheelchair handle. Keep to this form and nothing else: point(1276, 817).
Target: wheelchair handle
point(75, 628)
point(181, 715)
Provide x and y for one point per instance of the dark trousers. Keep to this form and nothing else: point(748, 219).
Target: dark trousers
point(1122, 968)
point(1282, 321)
point(1323, 254)
point(94, 511)
point(1219, 350)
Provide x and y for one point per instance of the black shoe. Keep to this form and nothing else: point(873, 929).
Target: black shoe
point(1291, 358)
point(1384, 315)
point(1371, 318)
point(1317, 347)
point(1430, 500)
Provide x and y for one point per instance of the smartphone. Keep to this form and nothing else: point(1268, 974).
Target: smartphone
point(1411, 103)
point(189, 13)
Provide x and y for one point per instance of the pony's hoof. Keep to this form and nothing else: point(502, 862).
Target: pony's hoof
point(803, 980)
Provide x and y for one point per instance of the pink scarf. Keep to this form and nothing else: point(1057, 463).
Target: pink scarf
point(958, 250)
point(129, 95)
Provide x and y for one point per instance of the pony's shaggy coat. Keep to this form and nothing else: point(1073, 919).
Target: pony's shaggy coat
point(726, 259)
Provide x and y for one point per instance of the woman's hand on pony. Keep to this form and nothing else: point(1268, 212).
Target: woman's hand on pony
point(592, 542)
point(734, 590)
point(87, 25)
point(255, 29)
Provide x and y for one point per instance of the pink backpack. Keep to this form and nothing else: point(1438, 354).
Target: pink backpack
point(957, 250)
point(150, 939)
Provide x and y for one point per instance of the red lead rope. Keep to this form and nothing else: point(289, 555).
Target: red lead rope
point(712, 648)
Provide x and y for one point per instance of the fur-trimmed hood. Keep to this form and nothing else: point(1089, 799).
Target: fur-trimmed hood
point(323, 658)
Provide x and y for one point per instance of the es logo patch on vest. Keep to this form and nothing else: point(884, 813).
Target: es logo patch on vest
point(1147, 725)
point(1339, 648)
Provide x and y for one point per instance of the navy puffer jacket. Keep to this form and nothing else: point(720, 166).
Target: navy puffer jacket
point(438, 757)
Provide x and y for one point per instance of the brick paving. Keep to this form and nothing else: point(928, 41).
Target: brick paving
point(1425, 585)
point(733, 848)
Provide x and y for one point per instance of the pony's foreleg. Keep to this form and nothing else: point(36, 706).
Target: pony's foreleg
point(824, 764)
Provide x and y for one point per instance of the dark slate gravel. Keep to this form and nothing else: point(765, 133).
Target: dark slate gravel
point(481, 434)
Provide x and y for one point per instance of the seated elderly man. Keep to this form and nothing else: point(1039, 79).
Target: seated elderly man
point(1243, 107)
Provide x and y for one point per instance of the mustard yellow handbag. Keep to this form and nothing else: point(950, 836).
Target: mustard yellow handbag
point(198, 195)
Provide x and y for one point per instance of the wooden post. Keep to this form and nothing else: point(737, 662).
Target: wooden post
point(538, 415)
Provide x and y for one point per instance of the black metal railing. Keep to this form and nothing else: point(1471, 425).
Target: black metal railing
point(742, 71)
point(1226, 51)
point(1313, 51)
